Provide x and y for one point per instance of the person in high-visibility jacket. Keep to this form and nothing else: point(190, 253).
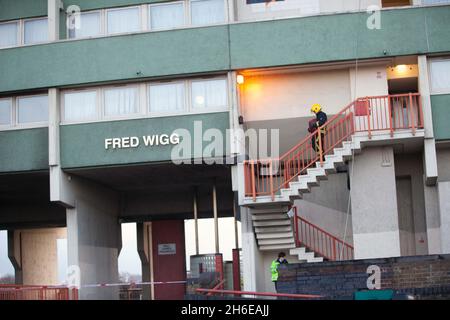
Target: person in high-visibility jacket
point(320, 120)
point(274, 268)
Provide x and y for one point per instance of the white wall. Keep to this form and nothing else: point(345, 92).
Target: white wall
point(374, 204)
point(326, 206)
point(290, 95)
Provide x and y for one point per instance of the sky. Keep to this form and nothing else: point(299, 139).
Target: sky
point(129, 259)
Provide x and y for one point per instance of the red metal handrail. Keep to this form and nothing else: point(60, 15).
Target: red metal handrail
point(370, 114)
point(29, 292)
point(320, 241)
point(261, 294)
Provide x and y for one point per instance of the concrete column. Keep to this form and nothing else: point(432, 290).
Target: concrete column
point(430, 162)
point(94, 237)
point(444, 210)
point(14, 255)
point(144, 249)
point(33, 254)
point(54, 7)
point(374, 204)
point(252, 259)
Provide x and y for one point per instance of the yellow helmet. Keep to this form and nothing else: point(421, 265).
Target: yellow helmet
point(316, 108)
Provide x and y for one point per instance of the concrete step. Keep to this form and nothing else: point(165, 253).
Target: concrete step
point(275, 235)
point(263, 217)
point(292, 193)
point(272, 223)
point(268, 230)
point(279, 241)
point(318, 172)
point(300, 186)
point(276, 247)
point(311, 181)
point(269, 209)
point(297, 251)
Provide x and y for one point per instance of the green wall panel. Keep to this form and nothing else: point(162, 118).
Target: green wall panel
point(440, 107)
point(218, 48)
point(24, 150)
point(83, 145)
point(16, 9)
point(115, 58)
point(339, 37)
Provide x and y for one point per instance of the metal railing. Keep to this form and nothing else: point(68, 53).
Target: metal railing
point(265, 177)
point(320, 241)
point(23, 292)
point(258, 294)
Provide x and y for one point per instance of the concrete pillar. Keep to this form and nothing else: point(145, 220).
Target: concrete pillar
point(144, 238)
point(374, 204)
point(430, 159)
point(444, 210)
point(94, 237)
point(252, 259)
point(14, 255)
point(53, 8)
point(33, 254)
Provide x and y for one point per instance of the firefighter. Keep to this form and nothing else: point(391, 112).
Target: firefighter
point(274, 268)
point(320, 120)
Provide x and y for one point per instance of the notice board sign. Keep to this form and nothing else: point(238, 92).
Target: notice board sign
point(166, 249)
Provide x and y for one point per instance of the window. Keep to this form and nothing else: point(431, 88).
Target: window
point(440, 76)
point(123, 20)
point(428, 2)
point(207, 11)
point(166, 16)
point(36, 31)
point(209, 94)
point(5, 111)
point(86, 25)
point(9, 34)
point(121, 101)
point(32, 109)
point(80, 105)
point(166, 98)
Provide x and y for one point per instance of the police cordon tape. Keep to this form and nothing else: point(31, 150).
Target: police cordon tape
point(130, 284)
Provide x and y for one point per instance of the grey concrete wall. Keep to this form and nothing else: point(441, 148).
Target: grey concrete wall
point(411, 166)
point(326, 206)
point(374, 204)
point(433, 219)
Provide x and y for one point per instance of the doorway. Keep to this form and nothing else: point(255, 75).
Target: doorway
point(405, 216)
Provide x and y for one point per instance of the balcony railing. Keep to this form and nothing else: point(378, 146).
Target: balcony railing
point(391, 113)
point(316, 239)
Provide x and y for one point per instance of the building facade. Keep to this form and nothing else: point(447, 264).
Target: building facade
point(159, 111)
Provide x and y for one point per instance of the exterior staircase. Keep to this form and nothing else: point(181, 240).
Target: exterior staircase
point(272, 185)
